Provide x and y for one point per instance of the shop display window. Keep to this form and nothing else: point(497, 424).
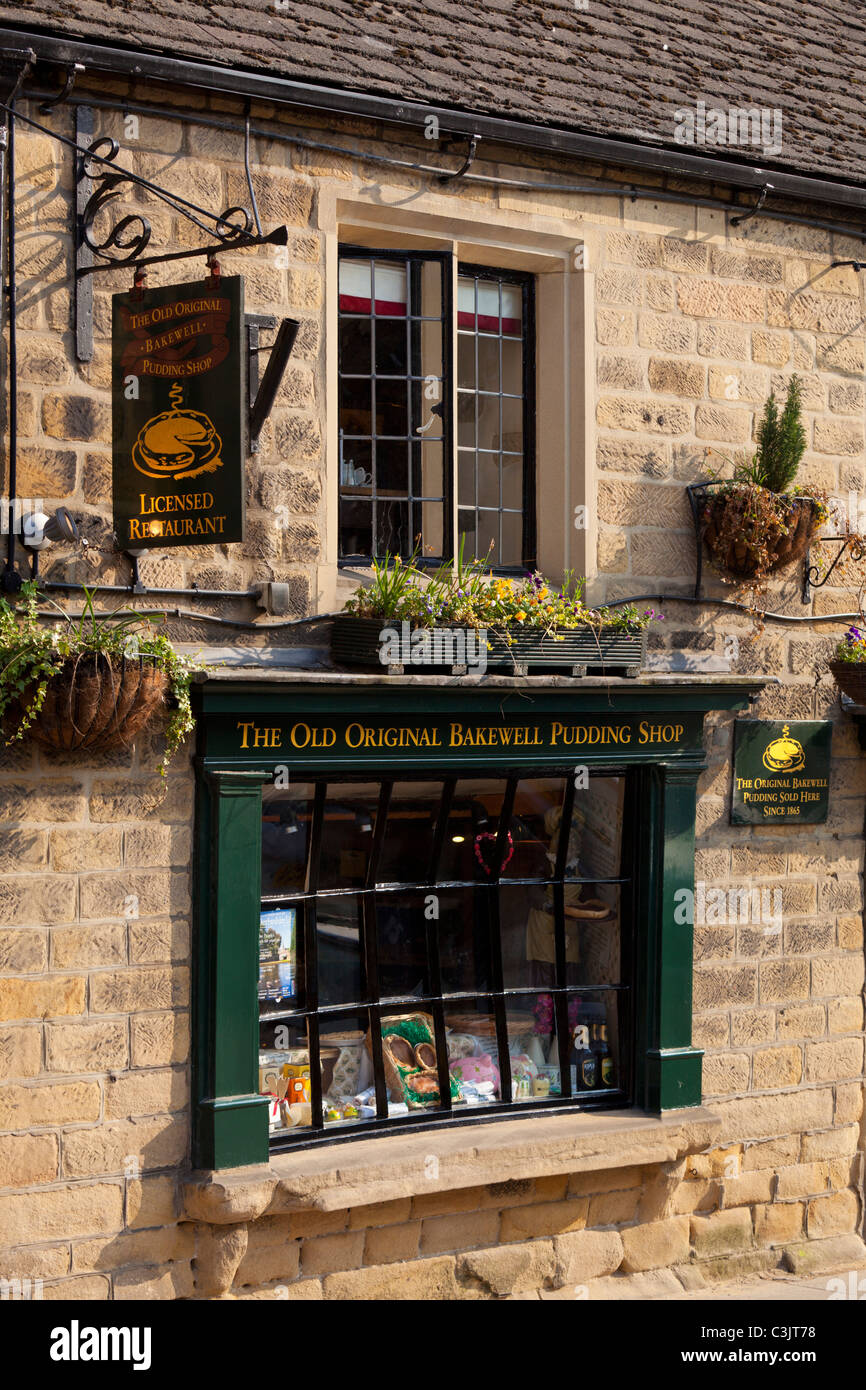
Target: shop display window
point(444, 947)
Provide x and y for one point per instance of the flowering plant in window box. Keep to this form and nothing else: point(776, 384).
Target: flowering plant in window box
point(88, 683)
point(759, 521)
point(849, 665)
point(519, 622)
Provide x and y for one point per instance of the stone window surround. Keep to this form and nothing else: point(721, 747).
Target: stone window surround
point(483, 234)
point(359, 1173)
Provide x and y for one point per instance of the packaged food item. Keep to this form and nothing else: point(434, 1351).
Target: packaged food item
point(409, 1056)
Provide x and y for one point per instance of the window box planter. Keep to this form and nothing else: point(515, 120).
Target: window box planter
point(355, 641)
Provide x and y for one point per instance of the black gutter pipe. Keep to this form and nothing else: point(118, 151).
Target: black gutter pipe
point(525, 135)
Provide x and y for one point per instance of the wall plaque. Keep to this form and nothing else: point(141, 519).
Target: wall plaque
point(781, 772)
point(179, 414)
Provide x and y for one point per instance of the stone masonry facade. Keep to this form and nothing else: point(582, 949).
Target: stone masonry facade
point(695, 320)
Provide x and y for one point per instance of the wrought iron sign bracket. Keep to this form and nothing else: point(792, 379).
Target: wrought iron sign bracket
point(812, 573)
point(98, 182)
point(262, 395)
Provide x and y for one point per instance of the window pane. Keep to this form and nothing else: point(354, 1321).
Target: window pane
point(355, 346)
point(488, 363)
point(488, 422)
point(512, 538)
point(427, 476)
point(488, 480)
point(281, 955)
point(487, 536)
point(347, 1071)
point(512, 309)
point(356, 528)
point(466, 477)
point(286, 817)
point(512, 424)
point(391, 348)
point(464, 938)
point(468, 848)
point(339, 949)
point(392, 467)
point(473, 1054)
point(389, 289)
point(284, 1077)
point(407, 848)
point(356, 409)
point(401, 937)
point(512, 483)
point(347, 834)
point(466, 420)
point(533, 1048)
point(409, 1052)
point(428, 523)
point(392, 528)
point(595, 836)
point(392, 406)
point(356, 468)
point(466, 359)
point(595, 1048)
point(512, 366)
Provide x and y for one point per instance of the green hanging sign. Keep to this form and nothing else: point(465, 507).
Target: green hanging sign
point(179, 414)
point(781, 772)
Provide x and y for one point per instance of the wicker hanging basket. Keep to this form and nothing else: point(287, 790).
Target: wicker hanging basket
point(738, 558)
point(97, 703)
point(850, 676)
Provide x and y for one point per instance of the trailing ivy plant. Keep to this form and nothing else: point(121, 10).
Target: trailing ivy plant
point(33, 653)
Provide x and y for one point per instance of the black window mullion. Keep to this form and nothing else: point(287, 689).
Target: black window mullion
point(311, 952)
point(369, 925)
point(560, 999)
point(441, 831)
point(496, 940)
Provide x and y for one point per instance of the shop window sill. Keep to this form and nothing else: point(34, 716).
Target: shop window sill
point(355, 1174)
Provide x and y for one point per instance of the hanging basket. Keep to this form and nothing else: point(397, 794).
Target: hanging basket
point(96, 703)
point(850, 676)
point(802, 518)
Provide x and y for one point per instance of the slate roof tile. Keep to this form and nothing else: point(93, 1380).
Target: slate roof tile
point(602, 70)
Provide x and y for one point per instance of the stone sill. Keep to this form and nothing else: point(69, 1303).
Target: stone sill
point(361, 1173)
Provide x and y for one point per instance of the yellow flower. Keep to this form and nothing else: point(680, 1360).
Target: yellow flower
point(542, 593)
point(520, 615)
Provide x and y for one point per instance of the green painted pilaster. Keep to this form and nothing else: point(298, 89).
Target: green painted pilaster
point(232, 1125)
point(670, 1069)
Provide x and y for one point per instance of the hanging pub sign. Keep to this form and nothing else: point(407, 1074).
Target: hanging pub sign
point(781, 772)
point(179, 414)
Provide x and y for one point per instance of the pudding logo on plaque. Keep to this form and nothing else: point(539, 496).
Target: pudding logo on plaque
point(781, 772)
point(178, 415)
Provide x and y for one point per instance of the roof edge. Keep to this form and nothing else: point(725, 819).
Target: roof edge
point(393, 111)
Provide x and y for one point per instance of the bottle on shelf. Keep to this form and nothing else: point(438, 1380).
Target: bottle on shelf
point(604, 1059)
point(584, 1068)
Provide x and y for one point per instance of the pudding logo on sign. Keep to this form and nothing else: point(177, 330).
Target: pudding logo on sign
point(76, 1343)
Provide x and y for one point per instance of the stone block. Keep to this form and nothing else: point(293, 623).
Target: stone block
point(26, 1107)
point(783, 980)
point(86, 1047)
point(441, 1233)
point(159, 1039)
point(836, 1214)
point(99, 944)
point(331, 1254)
point(801, 1180)
point(134, 991)
point(621, 373)
point(834, 1061)
point(146, 1093)
point(673, 377)
point(837, 975)
point(775, 1067)
point(509, 1269)
point(648, 415)
point(666, 332)
point(724, 423)
point(28, 1159)
point(750, 1026)
point(821, 1256)
point(168, 1282)
point(766, 1116)
point(779, 1223)
point(151, 1202)
point(413, 1281)
point(655, 1245)
point(714, 300)
point(74, 850)
point(585, 1255)
point(108, 1149)
point(76, 417)
point(62, 1213)
point(614, 327)
point(380, 1214)
point(385, 1244)
point(20, 1052)
point(800, 1021)
point(727, 341)
point(721, 1232)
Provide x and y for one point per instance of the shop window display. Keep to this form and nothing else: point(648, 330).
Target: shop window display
point(435, 948)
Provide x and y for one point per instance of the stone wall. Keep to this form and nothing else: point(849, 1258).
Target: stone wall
point(696, 319)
